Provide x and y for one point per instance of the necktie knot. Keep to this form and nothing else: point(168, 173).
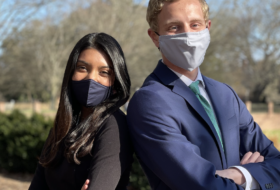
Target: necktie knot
point(194, 87)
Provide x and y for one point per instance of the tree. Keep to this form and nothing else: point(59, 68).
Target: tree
point(50, 43)
point(14, 16)
point(15, 13)
point(248, 48)
point(242, 52)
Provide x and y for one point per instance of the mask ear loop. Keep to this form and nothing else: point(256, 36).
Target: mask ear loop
point(158, 35)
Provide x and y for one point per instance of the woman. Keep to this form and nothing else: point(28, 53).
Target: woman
point(90, 138)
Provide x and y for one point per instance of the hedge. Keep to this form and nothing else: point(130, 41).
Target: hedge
point(22, 139)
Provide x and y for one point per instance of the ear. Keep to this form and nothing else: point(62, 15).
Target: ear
point(208, 24)
point(154, 37)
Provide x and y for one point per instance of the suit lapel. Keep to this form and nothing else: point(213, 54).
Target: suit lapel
point(225, 116)
point(169, 78)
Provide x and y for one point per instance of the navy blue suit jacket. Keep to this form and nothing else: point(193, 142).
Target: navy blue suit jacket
point(177, 144)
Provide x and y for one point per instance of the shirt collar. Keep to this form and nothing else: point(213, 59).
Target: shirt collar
point(188, 81)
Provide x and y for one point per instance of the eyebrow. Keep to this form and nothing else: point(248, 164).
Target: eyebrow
point(197, 20)
point(101, 67)
point(172, 22)
point(104, 67)
point(83, 62)
point(179, 22)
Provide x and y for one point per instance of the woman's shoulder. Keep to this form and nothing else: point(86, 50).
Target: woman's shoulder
point(115, 123)
point(115, 131)
point(117, 118)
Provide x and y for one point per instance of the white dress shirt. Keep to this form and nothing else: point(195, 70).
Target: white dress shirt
point(251, 183)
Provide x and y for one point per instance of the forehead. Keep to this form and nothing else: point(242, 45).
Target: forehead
point(94, 57)
point(180, 10)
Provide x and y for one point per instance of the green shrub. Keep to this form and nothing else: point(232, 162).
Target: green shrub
point(21, 141)
point(138, 180)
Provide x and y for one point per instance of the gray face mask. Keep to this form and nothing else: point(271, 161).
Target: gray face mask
point(185, 50)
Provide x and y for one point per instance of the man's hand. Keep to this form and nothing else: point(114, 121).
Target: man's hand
point(249, 157)
point(85, 186)
point(232, 173)
point(235, 174)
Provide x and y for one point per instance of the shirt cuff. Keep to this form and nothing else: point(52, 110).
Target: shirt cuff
point(250, 182)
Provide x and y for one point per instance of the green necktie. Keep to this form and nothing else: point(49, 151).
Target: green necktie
point(207, 108)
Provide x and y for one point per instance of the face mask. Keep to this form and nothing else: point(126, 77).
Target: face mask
point(89, 92)
point(185, 50)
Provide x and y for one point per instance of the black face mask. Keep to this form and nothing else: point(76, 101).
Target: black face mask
point(89, 92)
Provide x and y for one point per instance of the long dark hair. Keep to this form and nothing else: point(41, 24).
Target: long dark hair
point(78, 138)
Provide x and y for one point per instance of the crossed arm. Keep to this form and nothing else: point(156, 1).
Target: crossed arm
point(231, 173)
point(235, 174)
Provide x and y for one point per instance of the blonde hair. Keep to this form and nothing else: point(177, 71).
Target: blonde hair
point(155, 7)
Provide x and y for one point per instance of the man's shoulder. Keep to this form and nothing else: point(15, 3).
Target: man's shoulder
point(153, 85)
point(213, 81)
point(152, 79)
point(152, 93)
point(217, 84)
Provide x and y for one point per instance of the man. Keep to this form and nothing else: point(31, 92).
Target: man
point(190, 131)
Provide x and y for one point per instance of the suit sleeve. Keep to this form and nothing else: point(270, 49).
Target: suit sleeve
point(163, 149)
point(112, 156)
point(266, 173)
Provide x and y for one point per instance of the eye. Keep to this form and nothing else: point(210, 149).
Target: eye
point(195, 25)
point(173, 28)
point(81, 68)
point(105, 73)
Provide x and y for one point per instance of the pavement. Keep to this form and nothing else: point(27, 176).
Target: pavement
point(14, 181)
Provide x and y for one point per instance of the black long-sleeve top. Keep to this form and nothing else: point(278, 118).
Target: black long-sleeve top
point(108, 168)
